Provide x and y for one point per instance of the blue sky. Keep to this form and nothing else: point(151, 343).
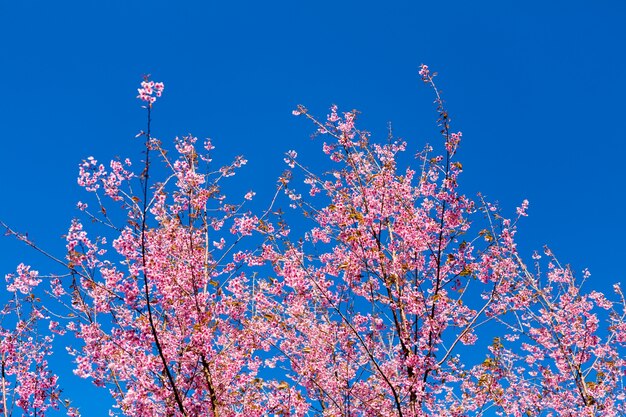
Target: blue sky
point(536, 87)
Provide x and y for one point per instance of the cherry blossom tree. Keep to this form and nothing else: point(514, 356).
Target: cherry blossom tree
point(404, 297)
point(26, 379)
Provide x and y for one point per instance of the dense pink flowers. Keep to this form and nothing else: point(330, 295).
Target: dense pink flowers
point(23, 281)
point(150, 90)
point(394, 295)
point(424, 72)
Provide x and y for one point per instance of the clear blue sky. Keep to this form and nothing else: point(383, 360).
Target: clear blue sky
point(537, 87)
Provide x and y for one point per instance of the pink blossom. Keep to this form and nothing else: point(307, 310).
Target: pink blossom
point(424, 72)
point(24, 281)
point(150, 90)
point(521, 211)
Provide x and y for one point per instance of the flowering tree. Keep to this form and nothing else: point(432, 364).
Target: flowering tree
point(201, 307)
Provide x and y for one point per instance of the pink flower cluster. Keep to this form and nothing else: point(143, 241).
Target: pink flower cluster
point(24, 281)
point(150, 90)
point(424, 72)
